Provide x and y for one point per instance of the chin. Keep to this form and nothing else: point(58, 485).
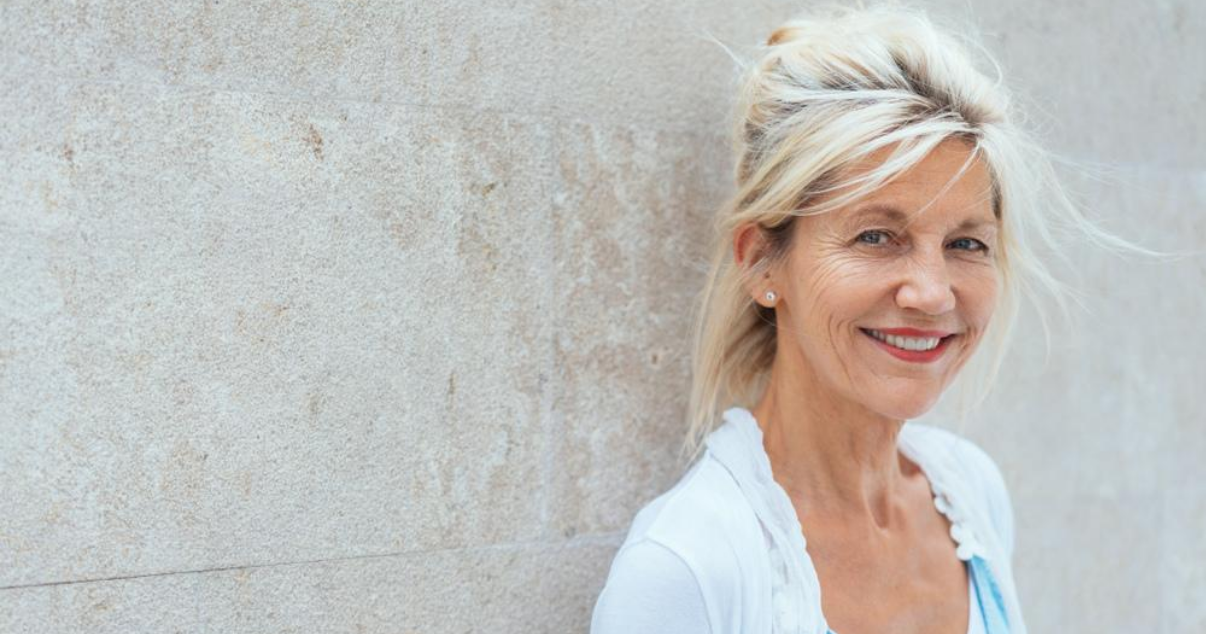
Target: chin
point(905, 408)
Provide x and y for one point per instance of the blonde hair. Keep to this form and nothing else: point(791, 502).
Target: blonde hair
point(829, 89)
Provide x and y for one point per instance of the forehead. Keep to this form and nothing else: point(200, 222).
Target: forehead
point(928, 191)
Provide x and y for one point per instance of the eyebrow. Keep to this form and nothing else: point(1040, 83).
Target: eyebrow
point(894, 213)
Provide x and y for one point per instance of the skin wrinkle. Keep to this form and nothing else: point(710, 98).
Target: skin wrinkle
point(836, 402)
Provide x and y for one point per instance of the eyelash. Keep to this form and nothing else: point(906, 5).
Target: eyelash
point(981, 248)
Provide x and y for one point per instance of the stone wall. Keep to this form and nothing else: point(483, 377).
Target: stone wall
point(367, 316)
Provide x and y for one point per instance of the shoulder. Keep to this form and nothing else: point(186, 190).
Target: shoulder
point(702, 517)
point(650, 588)
point(964, 459)
point(685, 558)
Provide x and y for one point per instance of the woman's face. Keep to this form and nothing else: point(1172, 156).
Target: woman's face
point(877, 267)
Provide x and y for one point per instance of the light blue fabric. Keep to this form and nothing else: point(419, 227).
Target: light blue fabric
point(988, 595)
point(989, 602)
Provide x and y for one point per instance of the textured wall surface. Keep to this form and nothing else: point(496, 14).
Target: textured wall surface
point(368, 316)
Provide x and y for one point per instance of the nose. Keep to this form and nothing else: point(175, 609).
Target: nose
point(927, 285)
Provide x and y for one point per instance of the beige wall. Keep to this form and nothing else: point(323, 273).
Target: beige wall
point(371, 316)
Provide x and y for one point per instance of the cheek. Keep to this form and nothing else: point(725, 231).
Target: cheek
point(836, 291)
point(980, 289)
point(839, 282)
point(829, 297)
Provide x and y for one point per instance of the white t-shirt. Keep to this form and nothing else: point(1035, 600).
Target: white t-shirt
point(717, 553)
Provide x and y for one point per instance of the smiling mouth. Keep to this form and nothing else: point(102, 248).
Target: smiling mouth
point(909, 344)
point(920, 350)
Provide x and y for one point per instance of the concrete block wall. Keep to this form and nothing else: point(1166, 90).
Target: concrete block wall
point(372, 316)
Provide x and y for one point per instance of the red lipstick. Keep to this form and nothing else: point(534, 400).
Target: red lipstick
point(914, 356)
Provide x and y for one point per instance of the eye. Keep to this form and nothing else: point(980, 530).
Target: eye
point(970, 244)
point(874, 237)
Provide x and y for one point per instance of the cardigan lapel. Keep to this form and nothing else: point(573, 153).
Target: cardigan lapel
point(796, 591)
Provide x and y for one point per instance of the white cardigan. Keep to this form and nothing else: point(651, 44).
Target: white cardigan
point(723, 552)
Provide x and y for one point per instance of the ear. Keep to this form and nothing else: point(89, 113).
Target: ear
point(749, 248)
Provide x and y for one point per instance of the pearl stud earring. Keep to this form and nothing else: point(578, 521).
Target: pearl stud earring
point(770, 296)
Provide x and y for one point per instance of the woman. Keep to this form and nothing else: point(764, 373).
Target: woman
point(880, 232)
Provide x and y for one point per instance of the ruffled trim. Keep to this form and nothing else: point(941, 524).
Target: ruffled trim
point(971, 527)
point(967, 542)
point(795, 588)
point(785, 610)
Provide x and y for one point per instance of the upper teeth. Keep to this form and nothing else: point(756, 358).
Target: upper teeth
point(906, 343)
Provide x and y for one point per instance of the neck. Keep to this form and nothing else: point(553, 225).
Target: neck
point(837, 460)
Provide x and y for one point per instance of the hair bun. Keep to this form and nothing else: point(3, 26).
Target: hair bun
point(781, 35)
